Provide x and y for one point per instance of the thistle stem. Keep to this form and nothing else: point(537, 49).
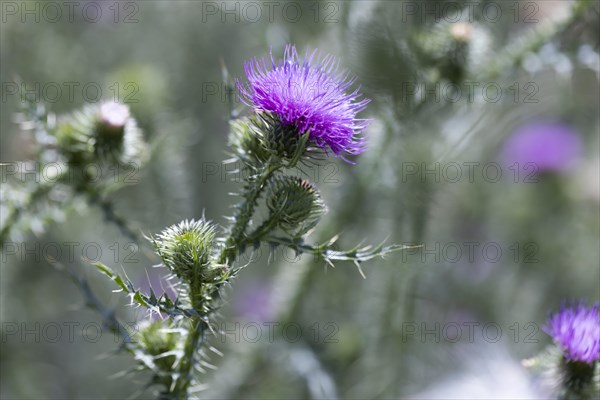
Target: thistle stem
point(15, 214)
point(196, 331)
point(243, 215)
point(198, 325)
point(110, 216)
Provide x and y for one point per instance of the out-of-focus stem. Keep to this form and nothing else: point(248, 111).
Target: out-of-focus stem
point(14, 214)
point(513, 54)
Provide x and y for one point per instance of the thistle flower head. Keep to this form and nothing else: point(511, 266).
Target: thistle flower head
point(310, 95)
point(576, 330)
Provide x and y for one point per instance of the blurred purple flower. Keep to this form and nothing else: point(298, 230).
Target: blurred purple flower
point(576, 330)
point(255, 302)
point(310, 96)
point(543, 145)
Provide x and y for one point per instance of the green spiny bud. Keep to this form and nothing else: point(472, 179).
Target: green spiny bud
point(100, 133)
point(186, 249)
point(451, 50)
point(157, 349)
point(295, 204)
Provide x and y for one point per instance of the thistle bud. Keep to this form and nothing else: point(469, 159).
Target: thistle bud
point(295, 204)
point(112, 119)
point(452, 50)
point(159, 346)
point(186, 249)
point(462, 32)
point(100, 133)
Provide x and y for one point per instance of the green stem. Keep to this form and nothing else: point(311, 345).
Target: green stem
point(14, 214)
point(196, 331)
point(514, 54)
point(264, 228)
point(111, 216)
point(198, 325)
point(243, 215)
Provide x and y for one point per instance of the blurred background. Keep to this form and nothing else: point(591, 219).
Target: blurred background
point(483, 149)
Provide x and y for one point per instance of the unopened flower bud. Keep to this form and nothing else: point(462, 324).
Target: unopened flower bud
point(295, 204)
point(100, 133)
point(186, 249)
point(114, 116)
point(461, 31)
point(159, 343)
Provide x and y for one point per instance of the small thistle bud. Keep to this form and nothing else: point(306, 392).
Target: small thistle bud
point(113, 118)
point(100, 133)
point(295, 204)
point(117, 136)
point(186, 249)
point(452, 50)
point(462, 32)
point(158, 347)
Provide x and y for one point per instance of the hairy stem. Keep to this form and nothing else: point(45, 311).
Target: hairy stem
point(15, 213)
point(198, 325)
point(111, 216)
point(196, 331)
point(243, 214)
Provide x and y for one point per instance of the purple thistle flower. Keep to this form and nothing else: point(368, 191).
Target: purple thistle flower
point(312, 97)
point(547, 145)
point(255, 302)
point(576, 330)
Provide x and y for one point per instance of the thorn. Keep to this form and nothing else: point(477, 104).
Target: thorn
point(357, 263)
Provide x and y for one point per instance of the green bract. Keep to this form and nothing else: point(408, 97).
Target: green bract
point(263, 138)
point(294, 204)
